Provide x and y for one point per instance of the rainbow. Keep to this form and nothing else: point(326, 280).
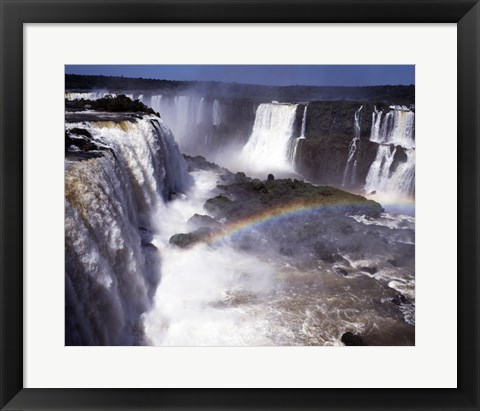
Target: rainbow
point(275, 214)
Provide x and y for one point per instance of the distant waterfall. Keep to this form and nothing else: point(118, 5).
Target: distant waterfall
point(396, 127)
point(156, 102)
point(270, 140)
point(350, 173)
point(394, 132)
point(292, 153)
point(304, 121)
point(379, 173)
point(183, 114)
point(217, 113)
point(201, 111)
point(186, 115)
point(112, 204)
point(88, 96)
point(376, 123)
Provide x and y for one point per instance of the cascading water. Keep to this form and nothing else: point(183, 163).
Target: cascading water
point(394, 132)
point(379, 174)
point(350, 173)
point(292, 154)
point(88, 96)
point(112, 203)
point(403, 178)
point(184, 114)
point(273, 129)
point(184, 111)
point(201, 111)
point(304, 122)
point(156, 103)
point(396, 127)
point(376, 123)
point(217, 113)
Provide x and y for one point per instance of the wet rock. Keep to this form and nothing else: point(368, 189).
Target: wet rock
point(351, 339)
point(80, 132)
point(200, 220)
point(185, 240)
point(149, 245)
point(257, 185)
point(341, 271)
point(326, 252)
point(199, 163)
point(240, 177)
point(218, 206)
point(400, 299)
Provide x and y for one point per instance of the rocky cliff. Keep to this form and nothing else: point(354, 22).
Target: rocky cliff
point(322, 156)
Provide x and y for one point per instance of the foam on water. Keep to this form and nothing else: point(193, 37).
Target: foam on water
point(394, 221)
point(193, 301)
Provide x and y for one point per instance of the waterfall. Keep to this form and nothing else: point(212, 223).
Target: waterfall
point(379, 173)
point(156, 103)
point(87, 96)
point(292, 153)
point(217, 113)
point(394, 134)
point(397, 127)
point(113, 200)
point(201, 111)
point(376, 123)
point(183, 114)
point(350, 173)
point(270, 139)
point(403, 178)
point(165, 106)
point(183, 107)
point(382, 179)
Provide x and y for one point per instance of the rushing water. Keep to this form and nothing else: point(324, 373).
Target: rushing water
point(292, 153)
point(112, 203)
point(222, 295)
point(271, 137)
point(394, 133)
point(304, 280)
point(350, 173)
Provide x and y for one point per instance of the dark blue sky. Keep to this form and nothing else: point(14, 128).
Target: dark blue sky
point(282, 75)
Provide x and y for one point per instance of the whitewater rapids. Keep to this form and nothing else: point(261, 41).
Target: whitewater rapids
point(218, 295)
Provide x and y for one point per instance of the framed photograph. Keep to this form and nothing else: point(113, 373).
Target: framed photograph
point(217, 205)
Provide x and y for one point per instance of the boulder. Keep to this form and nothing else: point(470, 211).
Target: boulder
point(185, 240)
point(351, 339)
point(400, 299)
point(218, 206)
point(199, 220)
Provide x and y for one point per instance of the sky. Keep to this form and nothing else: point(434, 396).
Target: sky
point(279, 75)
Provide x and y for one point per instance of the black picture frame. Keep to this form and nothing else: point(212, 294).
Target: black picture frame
point(14, 13)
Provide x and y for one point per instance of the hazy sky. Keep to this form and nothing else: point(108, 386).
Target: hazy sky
point(325, 75)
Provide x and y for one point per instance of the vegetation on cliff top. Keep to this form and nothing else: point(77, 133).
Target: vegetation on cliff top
point(401, 94)
point(117, 104)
